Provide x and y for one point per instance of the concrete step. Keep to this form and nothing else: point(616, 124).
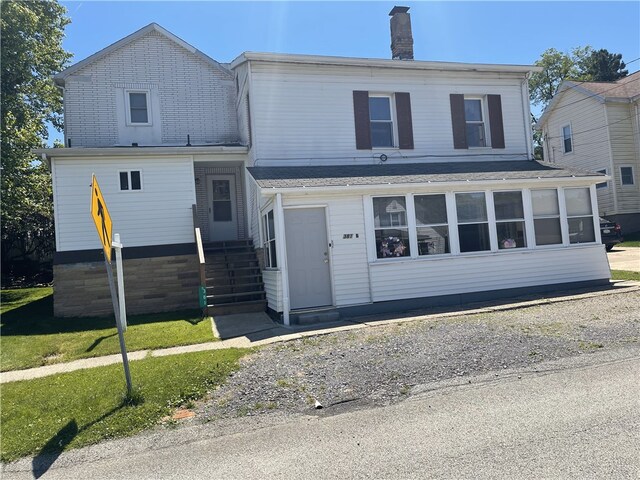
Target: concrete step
point(235, 288)
point(240, 307)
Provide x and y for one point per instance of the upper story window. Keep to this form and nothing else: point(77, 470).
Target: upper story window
point(138, 108)
point(567, 144)
point(477, 121)
point(474, 118)
point(382, 120)
point(626, 175)
point(130, 180)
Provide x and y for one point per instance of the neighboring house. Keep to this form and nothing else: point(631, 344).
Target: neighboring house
point(596, 126)
point(365, 185)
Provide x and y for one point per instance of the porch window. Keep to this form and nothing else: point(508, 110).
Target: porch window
point(432, 228)
point(509, 220)
point(546, 217)
point(579, 215)
point(391, 229)
point(473, 223)
point(269, 240)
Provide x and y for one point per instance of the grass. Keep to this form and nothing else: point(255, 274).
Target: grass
point(32, 336)
point(625, 275)
point(71, 410)
point(631, 240)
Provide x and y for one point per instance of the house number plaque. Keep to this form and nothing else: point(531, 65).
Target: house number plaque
point(346, 236)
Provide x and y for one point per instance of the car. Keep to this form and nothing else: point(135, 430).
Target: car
point(610, 232)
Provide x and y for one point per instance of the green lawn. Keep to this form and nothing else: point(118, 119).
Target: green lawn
point(631, 240)
point(32, 337)
point(52, 414)
point(624, 275)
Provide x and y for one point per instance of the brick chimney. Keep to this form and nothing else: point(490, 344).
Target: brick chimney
point(401, 38)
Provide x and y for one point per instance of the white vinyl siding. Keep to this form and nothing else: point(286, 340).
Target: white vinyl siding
point(624, 148)
point(517, 268)
point(322, 129)
point(157, 215)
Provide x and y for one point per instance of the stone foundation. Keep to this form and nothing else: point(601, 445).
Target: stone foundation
point(157, 284)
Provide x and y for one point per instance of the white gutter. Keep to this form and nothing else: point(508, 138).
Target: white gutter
point(465, 185)
point(135, 151)
point(382, 63)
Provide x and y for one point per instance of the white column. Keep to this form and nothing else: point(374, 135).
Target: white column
point(281, 246)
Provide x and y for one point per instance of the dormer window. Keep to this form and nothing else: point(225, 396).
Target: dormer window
point(138, 108)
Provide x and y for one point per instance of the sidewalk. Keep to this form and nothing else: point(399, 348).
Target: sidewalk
point(257, 329)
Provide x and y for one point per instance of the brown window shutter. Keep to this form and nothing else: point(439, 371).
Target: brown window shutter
point(361, 115)
point(495, 121)
point(457, 121)
point(405, 124)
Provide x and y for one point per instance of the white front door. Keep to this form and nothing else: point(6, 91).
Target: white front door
point(223, 218)
point(307, 257)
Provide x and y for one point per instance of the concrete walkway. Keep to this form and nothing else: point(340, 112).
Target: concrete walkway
point(257, 329)
point(624, 258)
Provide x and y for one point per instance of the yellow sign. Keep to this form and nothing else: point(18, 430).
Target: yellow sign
point(101, 217)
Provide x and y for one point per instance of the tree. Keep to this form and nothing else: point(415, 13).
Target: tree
point(602, 66)
point(32, 33)
point(582, 64)
point(556, 67)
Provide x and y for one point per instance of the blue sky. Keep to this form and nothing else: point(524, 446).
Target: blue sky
point(482, 32)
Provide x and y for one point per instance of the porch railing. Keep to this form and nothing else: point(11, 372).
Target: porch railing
point(202, 289)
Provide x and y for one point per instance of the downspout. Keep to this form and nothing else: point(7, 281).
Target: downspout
point(281, 245)
point(526, 112)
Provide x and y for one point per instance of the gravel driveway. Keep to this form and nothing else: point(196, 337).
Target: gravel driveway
point(380, 365)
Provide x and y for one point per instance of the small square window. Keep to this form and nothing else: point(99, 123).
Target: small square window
point(131, 180)
point(626, 175)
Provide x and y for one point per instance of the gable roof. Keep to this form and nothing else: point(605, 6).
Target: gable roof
point(351, 176)
point(626, 89)
point(152, 27)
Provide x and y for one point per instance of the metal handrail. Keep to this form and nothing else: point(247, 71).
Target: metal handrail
point(202, 291)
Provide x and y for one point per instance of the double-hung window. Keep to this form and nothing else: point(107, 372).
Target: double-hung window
point(138, 108)
point(381, 121)
point(474, 118)
point(473, 223)
point(546, 216)
point(269, 240)
point(391, 229)
point(509, 219)
point(626, 176)
point(579, 215)
point(476, 121)
point(432, 227)
point(567, 144)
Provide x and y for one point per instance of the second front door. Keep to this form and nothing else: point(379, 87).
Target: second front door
point(223, 218)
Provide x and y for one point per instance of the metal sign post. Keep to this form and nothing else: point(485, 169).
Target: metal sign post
point(102, 221)
point(120, 275)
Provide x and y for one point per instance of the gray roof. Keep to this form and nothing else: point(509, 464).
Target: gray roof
point(408, 173)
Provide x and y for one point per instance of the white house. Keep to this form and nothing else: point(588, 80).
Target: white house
point(363, 185)
point(596, 126)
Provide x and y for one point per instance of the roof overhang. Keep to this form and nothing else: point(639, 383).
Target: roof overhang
point(381, 63)
point(416, 177)
point(49, 153)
